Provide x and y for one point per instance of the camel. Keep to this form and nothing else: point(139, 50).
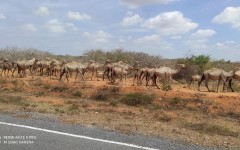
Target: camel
point(55, 67)
point(108, 68)
point(23, 65)
point(145, 73)
point(73, 67)
point(120, 69)
point(44, 64)
point(164, 73)
point(93, 67)
point(214, 74)
point(7, 66)
point(236, 76)
point(194, 78)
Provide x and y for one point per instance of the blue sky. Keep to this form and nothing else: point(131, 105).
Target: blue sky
point(168, 28)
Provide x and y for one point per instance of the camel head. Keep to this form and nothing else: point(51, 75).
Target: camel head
point(5, 60)
point(181, 65)
point(91, 61)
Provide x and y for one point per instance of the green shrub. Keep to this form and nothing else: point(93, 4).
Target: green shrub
point(135, 99)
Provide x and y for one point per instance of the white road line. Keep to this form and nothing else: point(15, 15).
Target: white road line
point(79, 136)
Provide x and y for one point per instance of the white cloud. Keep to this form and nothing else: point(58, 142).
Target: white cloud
point(149, 39)
point(71, 26)
point(170, 23)
point(220, 44)
point(139, 3)
point(42, 11)
point(176, 37)
point(2, 16)
point(78, 16)
point(59, 27)
point(29, 27)
point(204, 33)
point(133, 20)
point(230, 15)
point(99, 36)
point(225, 44)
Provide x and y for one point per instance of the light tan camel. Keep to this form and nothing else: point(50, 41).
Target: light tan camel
point(165, 73)
point(146, 73)
point(120, 69)
point(23, 65)
point(214, 74)
point(44, 64)
point(194, 78)
point(93, 67)
point(235, 76)
point(107, 69)
point(73, 67)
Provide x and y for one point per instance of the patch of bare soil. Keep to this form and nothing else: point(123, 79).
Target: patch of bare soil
point(203, 118)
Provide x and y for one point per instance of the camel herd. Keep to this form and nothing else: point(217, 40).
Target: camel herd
point(52, 67)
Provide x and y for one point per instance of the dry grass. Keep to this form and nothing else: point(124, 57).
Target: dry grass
point(211, 129)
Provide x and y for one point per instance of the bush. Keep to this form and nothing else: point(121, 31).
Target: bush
point(77, 94)
point(59, 89)
point(106, 93)
point(166, 87)
point(135, 99)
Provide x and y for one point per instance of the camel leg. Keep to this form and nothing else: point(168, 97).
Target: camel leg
point(172, 80)
point(191, 82)
point(147, 79)
point(134, 78)
point(199, 83)
point(13, 72)
point(218, 85)
point(103, 75)
point(82, 75)
point(230, 85)
point(96, 72)
point(64, 71)
point(67, 74)
point(92, 75)
point(206, 84)
point(154, 79)
point(76, 76)
point(2, 72)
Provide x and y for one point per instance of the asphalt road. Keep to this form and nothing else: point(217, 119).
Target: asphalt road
point(44, 133)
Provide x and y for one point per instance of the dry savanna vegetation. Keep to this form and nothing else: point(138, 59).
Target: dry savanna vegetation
point(174, 111)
